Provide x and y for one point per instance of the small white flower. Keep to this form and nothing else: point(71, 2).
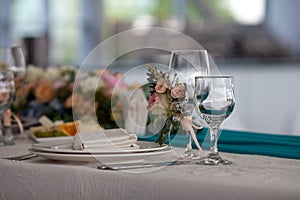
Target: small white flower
point(34, 73)
point(90, 83)
point(52, 74)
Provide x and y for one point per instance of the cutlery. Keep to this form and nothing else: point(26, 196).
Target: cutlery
point(140, 165)
point(22, 157)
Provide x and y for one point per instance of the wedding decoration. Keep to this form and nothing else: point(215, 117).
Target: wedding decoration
point(49, 91)
point(166, 103)
point(44, 92)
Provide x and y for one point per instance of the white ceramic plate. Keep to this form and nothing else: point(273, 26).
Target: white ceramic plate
point(103, 158)
point(65, 147)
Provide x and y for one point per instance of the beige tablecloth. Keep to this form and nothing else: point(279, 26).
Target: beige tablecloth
point(249, 177)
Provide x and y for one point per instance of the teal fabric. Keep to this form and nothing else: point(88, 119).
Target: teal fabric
point(285, 146)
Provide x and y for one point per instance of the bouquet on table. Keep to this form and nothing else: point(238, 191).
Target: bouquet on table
point(167, 101)
point(49, 92)
point(45, 92)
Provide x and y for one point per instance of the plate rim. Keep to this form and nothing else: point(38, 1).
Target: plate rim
point(96, 157)
point(96, 151)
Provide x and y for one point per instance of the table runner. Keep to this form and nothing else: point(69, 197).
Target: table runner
point(285, 146)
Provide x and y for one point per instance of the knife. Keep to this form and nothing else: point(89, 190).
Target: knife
point(139, 166)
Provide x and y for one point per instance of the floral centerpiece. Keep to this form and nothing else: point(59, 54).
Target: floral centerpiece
point(45, 92)
point(166, 103)
point(49, 92)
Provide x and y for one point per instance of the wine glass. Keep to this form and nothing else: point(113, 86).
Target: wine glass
point(214, 101)
point(12, 70)
point(187, 64)
point(7, 89)
point(12, 58)
point(17, 64)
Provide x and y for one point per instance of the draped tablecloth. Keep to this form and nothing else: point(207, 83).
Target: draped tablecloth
point(249, 177)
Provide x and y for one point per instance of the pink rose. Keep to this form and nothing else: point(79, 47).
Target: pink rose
point(154, 100)
point(161, 86)
point(4, 96)
point(112, 80)
point(178, 91)
point(58, 84)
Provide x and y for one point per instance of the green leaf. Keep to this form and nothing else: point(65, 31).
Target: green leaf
point(164, 131)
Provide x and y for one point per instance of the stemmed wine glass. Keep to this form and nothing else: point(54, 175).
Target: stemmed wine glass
point(214, 99)
point(7, 88)
point(187, 64)
point(12, 58)
point(12, 69)
point(17, 64)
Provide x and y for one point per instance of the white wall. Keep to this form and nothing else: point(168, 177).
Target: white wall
point(282, 19)
point(267, 97)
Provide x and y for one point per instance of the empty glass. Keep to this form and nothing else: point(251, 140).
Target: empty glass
point(214, 99)
point(7, 88)
point(11, 61)
point(17, 64)
point(187, 64)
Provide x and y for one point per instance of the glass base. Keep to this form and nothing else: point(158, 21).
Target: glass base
point(6, 143)
point(189, 154)
point(213, 159)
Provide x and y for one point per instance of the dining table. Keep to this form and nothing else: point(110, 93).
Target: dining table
point(250, 176)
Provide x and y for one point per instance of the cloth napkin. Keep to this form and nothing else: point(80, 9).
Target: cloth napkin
point(105, 139)
point(285, 146)
point(135, 113)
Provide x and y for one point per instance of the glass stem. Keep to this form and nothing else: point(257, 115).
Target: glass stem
point(189, 144)
point(1, 130)
point(214, 134)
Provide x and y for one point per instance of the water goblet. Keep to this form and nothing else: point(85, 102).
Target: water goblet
point(214, 102)
point(17, 64)
point(12, 70)
point(7, 88)
point(12, 58)
point(187, 64)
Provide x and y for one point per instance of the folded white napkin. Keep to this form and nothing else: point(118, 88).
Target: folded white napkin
point(105, 139)
point(135, 112)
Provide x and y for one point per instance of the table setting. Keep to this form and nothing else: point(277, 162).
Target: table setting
point(161, 139)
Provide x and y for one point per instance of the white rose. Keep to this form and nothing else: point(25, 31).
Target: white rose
point(89, 84)
point(34, 73)
point(52, 74)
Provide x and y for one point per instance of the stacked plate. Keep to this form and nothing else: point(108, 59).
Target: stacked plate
point(63, 150)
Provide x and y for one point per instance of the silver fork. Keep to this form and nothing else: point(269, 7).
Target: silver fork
point(22, 157)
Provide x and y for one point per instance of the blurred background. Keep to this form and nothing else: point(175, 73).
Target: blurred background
point(257, 41)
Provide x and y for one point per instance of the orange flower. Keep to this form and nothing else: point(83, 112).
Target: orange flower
point(45, 92)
